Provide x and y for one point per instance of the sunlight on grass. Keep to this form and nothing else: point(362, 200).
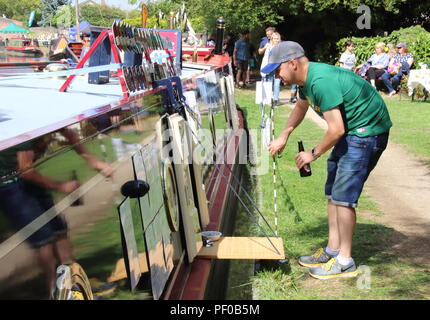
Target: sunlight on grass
point(391, 277)
point(411, 125)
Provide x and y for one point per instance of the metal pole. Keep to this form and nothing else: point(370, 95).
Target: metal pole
point(220, 27)
point(78, 30)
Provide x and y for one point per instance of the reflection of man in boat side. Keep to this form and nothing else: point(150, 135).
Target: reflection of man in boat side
point(26, 195)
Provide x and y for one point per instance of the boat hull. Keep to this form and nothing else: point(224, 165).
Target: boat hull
point(23, 53)
point(147, 243)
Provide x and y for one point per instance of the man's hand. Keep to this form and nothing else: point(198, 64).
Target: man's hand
point(101, 166)
point(303, 158)
point(277, 146)
point(67, 186)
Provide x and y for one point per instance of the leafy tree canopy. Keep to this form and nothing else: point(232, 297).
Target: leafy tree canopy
point(19, 10)
point(254, 14)
point(49, 10)
point(101, 15)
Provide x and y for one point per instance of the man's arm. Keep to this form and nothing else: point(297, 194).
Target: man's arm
point(92, 160)
point(335, 131)
point(262, 50)
point(234, 56)
point(296, 117)
point(25, 162)
point(410, 62)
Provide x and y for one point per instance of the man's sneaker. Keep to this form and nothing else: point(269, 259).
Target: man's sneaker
point(333, 269)
point(318, 258)
point(293, 100)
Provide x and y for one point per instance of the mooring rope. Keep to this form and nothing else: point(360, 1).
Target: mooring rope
point(275, 165)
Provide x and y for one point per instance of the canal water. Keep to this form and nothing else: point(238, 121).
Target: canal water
point(5, 58)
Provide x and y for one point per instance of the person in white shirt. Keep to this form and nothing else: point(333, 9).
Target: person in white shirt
point(347, 59)
point(274, 41)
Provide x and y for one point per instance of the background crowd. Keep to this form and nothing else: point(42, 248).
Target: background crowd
point(384, 69)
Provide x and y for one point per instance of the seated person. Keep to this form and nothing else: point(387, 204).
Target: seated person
point(400, 64)
point(376, 64)
point(347, 59)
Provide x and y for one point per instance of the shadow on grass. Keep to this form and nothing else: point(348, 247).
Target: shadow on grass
point(375, 245)
point(288, 202)
point(427, 164)
point(239, 285)
point(379, 247)
point(369, 239)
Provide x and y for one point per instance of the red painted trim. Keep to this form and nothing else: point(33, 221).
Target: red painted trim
point(117, 59)
point(81, 63)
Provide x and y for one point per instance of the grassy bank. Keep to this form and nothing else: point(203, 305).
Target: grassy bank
point(303, 224)
point(411, 126)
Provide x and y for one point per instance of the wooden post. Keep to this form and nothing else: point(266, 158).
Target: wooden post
point(78, 30)
point(144, 15)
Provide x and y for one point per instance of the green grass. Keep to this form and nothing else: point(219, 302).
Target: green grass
point(303, 223)
point(411, 126)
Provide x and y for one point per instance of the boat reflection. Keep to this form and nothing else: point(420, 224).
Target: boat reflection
point(63, 203)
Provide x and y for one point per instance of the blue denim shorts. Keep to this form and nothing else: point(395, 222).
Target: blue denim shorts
point(23, 202)
point(349, 165)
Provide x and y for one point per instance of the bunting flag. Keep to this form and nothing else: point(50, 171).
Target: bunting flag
point(184, 19)
point(176, 19)
point(190, 30)
point(183, 14)
point(160, 16)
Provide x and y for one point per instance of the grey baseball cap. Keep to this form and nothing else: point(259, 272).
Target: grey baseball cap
point(401, 45)
point(284, 51)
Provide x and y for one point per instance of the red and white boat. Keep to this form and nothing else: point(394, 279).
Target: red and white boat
point(23, 47)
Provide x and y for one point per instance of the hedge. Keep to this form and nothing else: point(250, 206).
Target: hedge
point(416, 37)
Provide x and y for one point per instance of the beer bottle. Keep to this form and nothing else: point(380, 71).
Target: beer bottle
point(77, 202)
point(305, 171)
point(195, 55)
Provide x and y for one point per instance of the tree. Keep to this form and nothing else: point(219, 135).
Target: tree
point(49, 10)
point(19, 10)
point(316, 24)
point(103, 16)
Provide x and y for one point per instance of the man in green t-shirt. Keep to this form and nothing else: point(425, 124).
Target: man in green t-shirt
point(358, 127)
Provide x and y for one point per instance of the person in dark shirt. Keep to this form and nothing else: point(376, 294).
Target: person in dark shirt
point(264, 42)
point(241, 58)
point(229, 45)
point(25, 195)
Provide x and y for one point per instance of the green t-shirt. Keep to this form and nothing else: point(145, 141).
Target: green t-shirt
point(9, 161)
point(363, 110)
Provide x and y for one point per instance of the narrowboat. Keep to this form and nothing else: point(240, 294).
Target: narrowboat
point(23, 47)
point(104, 193)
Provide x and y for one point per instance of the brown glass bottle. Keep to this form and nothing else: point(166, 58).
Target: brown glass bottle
point(195, 55)
point(305, 171)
